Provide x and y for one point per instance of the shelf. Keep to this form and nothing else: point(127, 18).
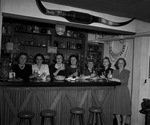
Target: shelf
point(70, 37)
point(33, 33)
point(34, 46)
point(6, 35)
point(70, 49)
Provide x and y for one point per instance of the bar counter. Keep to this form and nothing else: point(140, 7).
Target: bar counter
point(60, 96)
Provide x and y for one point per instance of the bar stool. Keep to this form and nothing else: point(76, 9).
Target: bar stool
point(25, 115)
point(77, 116)
point(48, 114)
point(95, 116)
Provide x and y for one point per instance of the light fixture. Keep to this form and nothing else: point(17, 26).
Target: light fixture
point(60, 29)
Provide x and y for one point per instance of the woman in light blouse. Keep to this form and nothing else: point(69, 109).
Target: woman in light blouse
point(39, 69)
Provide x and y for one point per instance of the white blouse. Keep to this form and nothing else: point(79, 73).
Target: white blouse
point(44, 70)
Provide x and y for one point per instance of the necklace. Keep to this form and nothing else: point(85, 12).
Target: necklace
point(73, 66)
point(58, 66)
point(21, 66)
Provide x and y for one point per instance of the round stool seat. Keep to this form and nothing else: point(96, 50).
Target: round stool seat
point(95, 109)
point(26, 114)
point(48, 113)
point(77, 110)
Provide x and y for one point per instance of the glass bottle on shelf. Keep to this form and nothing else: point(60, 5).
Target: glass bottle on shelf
point(4, 29)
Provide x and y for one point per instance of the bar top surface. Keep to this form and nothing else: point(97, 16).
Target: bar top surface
point(59, 83)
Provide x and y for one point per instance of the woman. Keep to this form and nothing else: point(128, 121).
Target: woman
point(22, 70)
point(122, 103)
point(89, 69)
point(73, 69)
point(106, 71)
point(40, 70)
point(58, 68)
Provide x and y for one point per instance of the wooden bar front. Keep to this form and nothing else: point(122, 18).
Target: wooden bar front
point(60, 96)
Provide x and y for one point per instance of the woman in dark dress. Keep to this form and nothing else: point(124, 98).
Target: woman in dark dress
point(22, 70)
point(73, 68)
point(106, 70)
point(58, 68)
point(122, 102)
point(89, 69)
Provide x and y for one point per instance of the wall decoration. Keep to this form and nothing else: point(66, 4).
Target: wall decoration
point(79, 17)
point(117, 49)
point(60, 29)
point(51, 49)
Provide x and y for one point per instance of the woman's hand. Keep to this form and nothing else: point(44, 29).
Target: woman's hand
point(36, 74)
point(103, 77)
point(62, 68)
point(92, 75)
point(75, 73)
point(114, 79)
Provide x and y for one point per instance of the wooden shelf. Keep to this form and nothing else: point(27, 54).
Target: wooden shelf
point(70, 49)
point(33, 33)
point(70, 37)
point(34, 46)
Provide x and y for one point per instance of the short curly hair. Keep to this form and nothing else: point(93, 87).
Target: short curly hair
point(108, 61)
point(74, 57)
point(58, 54)
point(20, 54)
point(39, 54)
point(116, 64)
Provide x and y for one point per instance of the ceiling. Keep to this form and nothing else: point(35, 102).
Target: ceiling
point(140, 9)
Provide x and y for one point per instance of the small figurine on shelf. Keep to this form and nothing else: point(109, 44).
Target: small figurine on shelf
point(4, 70)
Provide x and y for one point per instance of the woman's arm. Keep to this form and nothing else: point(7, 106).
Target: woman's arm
point(123, 77)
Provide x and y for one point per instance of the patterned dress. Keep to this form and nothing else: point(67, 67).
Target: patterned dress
point(122, 102)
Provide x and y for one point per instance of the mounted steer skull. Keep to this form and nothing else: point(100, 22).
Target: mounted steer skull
point(79, 17)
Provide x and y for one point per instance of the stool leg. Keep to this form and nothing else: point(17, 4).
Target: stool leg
point(97, 119)
point(42, 121)
point(30, 122)
point(52, 120)
point(94, 118)
point(100, 119)
point(81, 120)
point(20, 121)
point(75, 120)
point(71, 118)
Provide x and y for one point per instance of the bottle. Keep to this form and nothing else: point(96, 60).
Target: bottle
point(4, 30)
point(11, 74)
point(109, 75)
